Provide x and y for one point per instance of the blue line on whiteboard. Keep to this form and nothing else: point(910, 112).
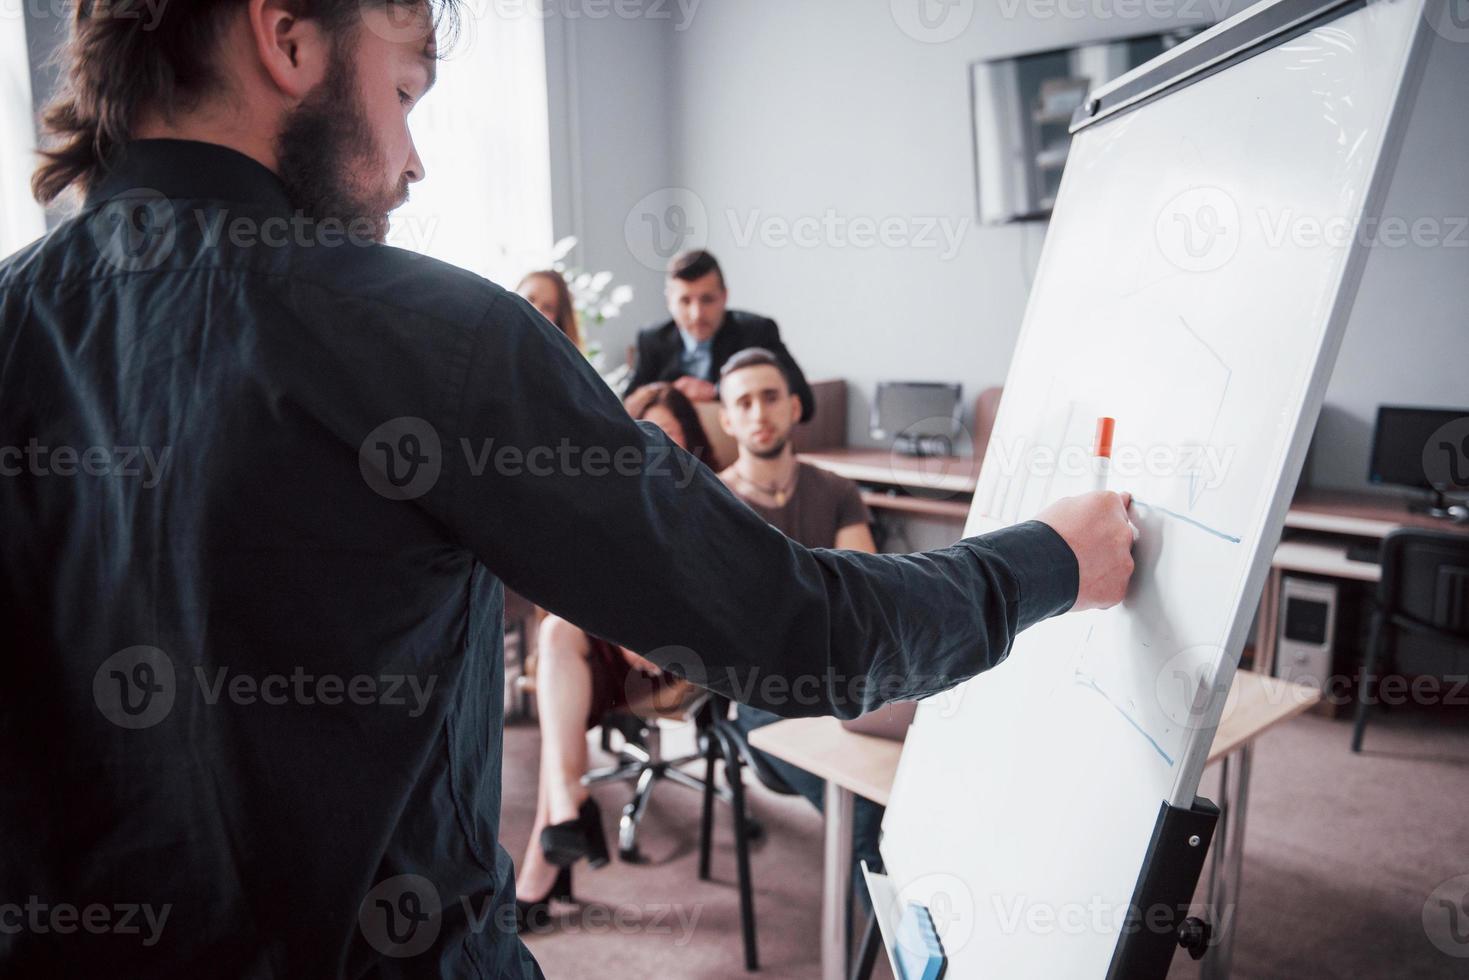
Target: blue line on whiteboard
point(1091, 682)
point(1188, 520)
point(1193, 491)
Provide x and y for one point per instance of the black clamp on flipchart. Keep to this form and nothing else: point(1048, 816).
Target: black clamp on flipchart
point(1157, 920)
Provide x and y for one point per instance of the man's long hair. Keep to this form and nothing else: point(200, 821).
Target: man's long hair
point(121, 57)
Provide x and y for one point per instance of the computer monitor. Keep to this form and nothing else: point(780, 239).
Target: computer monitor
point(920, 418)
point(1422, 448)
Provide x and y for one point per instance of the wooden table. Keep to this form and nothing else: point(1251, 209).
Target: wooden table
point(1356, 514)
point(861, 765)
point(929, 486)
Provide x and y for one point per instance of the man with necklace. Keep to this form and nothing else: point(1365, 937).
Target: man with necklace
point(759, 410)
point(810, 505)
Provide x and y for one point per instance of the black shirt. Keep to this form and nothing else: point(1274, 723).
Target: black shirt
point(251, 710)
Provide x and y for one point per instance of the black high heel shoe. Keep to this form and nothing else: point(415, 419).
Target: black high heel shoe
point(536, 916)
point(566, 843)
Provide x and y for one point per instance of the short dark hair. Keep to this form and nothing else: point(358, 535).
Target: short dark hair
point(113, 67)
point(693, 265)
point(755, 357)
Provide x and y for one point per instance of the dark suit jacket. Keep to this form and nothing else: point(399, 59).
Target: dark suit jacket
point(660, 350)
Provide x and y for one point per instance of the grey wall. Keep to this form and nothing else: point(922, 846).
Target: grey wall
point(1408, 339)
point(611, 118)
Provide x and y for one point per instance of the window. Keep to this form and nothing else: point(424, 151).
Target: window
point(483, 136)
point(21, 218)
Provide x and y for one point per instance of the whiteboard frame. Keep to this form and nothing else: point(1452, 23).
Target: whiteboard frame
point(1252, 31)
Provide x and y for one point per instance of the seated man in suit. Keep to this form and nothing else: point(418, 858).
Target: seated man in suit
point(704, 334)
point(819, 509)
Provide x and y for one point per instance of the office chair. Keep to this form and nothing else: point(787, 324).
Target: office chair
point(639, 754)
point(638, 750)
point(719, 740)
point(1424, 592)
point(727, 744)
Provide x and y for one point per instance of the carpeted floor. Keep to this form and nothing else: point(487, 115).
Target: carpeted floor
point(1343, 852)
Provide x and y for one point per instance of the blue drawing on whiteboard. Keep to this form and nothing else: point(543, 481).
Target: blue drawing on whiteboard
point(1231, 538)
point(1086, 680)
point(1193, 489)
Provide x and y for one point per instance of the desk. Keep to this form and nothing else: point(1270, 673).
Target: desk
point(930, 486)
point(1315, 518)
point(861, 765)
point(1362, 515)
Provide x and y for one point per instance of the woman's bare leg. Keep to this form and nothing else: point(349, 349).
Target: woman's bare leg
point(563, 699)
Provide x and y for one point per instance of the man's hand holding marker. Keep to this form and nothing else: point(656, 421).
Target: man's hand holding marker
point(1097, 527)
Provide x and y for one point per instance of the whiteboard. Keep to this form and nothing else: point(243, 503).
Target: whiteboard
point(1184, 291)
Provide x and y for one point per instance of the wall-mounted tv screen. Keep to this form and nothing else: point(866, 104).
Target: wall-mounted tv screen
point(1022, 118)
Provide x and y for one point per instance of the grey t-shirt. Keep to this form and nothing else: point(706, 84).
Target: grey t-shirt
point(821, 504)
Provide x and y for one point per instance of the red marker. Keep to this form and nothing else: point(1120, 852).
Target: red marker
point(1102, 452)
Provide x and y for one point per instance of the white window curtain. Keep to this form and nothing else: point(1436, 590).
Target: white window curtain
point(485, 202)
point(21, 218)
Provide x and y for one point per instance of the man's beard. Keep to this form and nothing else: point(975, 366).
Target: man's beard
point(776, 448)
point(325, 141)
